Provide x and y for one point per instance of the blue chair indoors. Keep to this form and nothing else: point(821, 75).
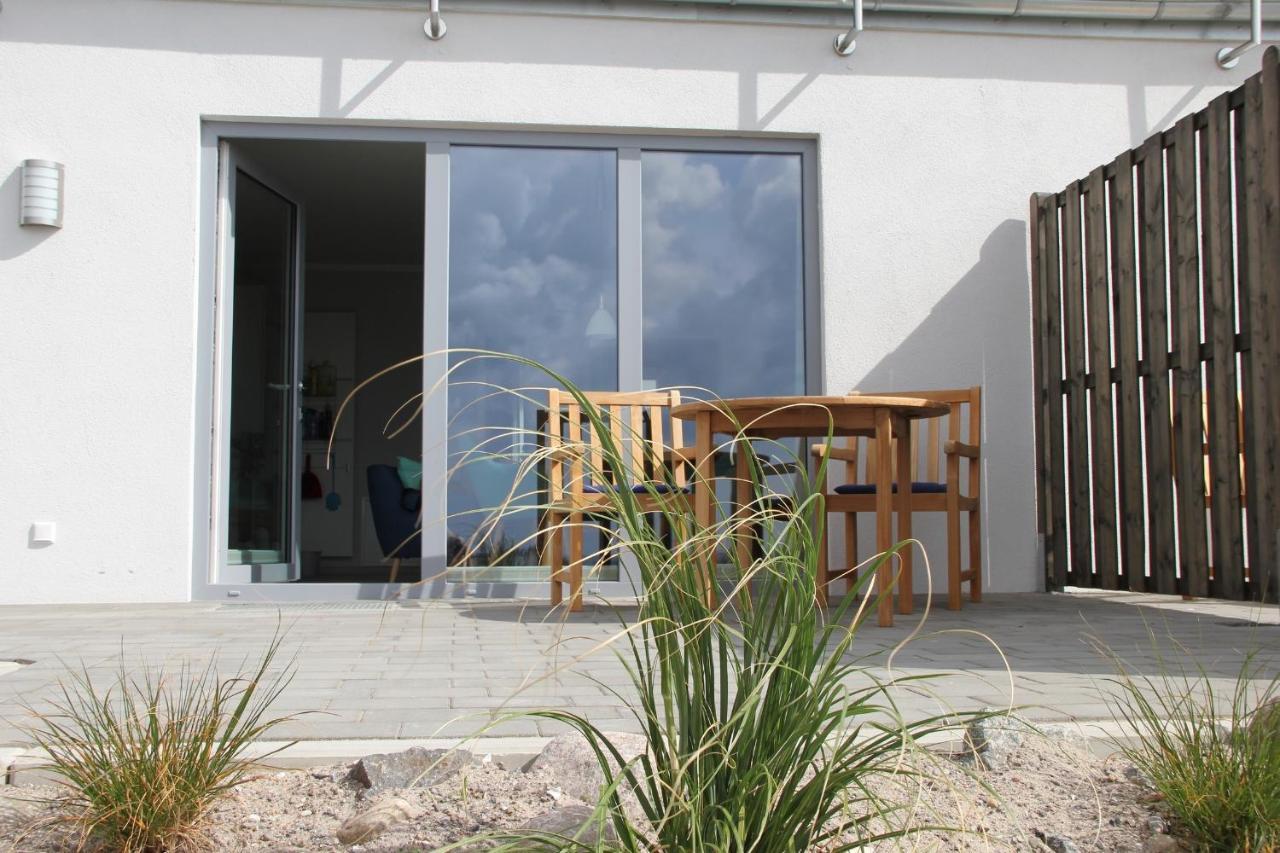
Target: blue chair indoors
point(951, 483)
point(397, 515)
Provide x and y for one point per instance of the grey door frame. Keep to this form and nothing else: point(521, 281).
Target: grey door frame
point(206, 583)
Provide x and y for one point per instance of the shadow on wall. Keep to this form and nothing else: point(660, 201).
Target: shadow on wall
point(18, 240)
point(979, 334)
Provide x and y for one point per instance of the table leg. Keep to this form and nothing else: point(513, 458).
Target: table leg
point(884, 513)
point(902, 429)
point(743, 529)
point(703, 497)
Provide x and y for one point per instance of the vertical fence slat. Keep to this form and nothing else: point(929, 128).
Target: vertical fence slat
point(1128, 410)
point(1055, 437)
point(1220, 327)
point(1099, 342)
point(1188, 415)
point(1255, 403)
point(1047, 254)
point(1044, 520)
point(1157, 412)
point(1262, 418)
point(1081, 571)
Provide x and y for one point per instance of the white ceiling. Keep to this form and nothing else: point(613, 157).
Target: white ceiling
point(363, 200)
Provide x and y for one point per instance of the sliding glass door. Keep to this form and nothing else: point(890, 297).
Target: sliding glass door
point(533, 261)
point(262, 235)
point(620, 262)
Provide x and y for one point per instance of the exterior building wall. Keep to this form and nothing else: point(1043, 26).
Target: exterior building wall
point(929, 145)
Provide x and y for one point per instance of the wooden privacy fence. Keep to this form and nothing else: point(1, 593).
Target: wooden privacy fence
point(1156, 304)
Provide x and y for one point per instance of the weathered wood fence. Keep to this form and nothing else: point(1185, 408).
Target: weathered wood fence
point(1156, 303)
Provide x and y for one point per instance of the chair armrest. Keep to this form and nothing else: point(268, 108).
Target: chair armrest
point(566, 453)
point(959, 448)
point(844, 454)
point(680, 454)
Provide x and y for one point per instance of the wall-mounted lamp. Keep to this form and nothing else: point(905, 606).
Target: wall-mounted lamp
point(40, 199)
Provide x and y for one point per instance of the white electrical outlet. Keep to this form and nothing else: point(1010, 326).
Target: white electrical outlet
point(43, 532)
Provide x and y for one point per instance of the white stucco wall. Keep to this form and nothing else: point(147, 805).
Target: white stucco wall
point(929, 147)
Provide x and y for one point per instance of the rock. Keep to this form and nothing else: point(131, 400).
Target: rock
point(370, 824)
point(1156, 824)
point(993, 741)
point(414, 768)
point(1137, 777)
point(572, 820)
point(1161, 844)
point(1057, 843)
point(572, 763)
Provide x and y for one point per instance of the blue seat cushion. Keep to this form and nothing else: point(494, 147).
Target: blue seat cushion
point(639, 489)
point(870, 488)
point(411, 500)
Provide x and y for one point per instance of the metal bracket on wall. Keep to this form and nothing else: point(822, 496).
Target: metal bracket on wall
point(434, 26)
point(1229, 56)
point(846, 43)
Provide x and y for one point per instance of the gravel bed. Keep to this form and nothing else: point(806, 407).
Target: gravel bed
point(1044, 794)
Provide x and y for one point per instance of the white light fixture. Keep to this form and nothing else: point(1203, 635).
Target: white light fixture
point(40, 199)
point(601, 326)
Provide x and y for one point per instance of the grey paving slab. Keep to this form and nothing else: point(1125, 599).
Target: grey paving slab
point(444, 668)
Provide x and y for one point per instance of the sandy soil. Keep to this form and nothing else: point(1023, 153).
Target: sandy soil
point(1048, 787)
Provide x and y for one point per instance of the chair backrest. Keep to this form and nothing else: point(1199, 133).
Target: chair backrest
point(640, 426)
point(963, 423)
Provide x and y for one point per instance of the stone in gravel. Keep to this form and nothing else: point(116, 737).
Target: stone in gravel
point(1057, 843)
point(571, 761)
point(1156, 824)
point(1162, 844)
point(572, 820)
point(414, 768)
point(993, 741)
point(371, 823)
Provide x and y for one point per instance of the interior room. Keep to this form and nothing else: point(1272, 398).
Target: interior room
point(359, 311)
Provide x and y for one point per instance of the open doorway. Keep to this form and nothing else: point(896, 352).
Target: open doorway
point(300, 342)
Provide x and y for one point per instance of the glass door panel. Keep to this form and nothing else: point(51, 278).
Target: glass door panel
point(262, 405)
point(533, 259)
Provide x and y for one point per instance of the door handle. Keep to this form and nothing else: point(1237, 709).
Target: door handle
point(284, 386)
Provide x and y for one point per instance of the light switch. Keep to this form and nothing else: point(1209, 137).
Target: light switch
point(43, 532)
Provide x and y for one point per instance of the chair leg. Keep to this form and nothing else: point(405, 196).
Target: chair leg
point(395, 570)
point(824, 565)
point(575, 562)
point(554, 556)
point(975, 556)
point(953, 551)
point(851, 549)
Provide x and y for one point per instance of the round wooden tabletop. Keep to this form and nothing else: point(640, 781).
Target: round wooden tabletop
point(911, 407)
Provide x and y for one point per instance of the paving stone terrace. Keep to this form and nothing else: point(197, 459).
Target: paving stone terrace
point(441, 668)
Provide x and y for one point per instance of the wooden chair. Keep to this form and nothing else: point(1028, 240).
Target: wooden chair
point(578, 479)
point(941, 489)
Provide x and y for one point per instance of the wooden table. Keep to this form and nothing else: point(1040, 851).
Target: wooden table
point(880, 418)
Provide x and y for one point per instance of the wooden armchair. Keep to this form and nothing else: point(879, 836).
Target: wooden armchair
point(579, 479)
point(943, 488)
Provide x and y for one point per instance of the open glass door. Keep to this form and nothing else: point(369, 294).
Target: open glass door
point(259, 342)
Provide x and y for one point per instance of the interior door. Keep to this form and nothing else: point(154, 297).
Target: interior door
point(259, 342)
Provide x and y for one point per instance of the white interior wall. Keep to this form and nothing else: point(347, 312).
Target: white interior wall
point(929, 146)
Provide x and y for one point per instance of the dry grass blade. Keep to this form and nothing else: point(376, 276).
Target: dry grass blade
point(1213, 757)
point(144, 759)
